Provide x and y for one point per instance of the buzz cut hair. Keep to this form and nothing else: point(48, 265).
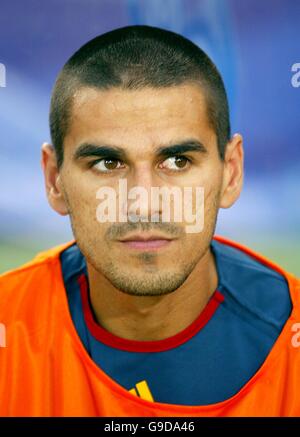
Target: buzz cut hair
point(133, 58)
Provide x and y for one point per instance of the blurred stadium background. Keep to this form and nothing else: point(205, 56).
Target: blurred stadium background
point(254, 44)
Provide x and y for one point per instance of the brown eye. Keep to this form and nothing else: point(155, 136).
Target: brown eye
point(107, 164)
point(180, 161)
point(110, 164)
point(175, 163)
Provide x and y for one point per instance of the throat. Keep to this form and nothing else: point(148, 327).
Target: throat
point(151, 318)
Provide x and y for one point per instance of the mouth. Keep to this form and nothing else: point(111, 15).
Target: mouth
point(146, 242)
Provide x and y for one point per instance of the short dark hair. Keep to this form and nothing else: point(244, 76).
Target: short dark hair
point(135, 57)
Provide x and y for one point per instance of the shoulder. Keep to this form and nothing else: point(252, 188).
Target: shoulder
point(30, 282)
point(254, 284)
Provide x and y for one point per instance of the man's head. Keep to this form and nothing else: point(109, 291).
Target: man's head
point(148, 106)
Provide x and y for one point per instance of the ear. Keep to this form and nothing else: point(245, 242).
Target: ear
point(233, 173)
point(52, 178)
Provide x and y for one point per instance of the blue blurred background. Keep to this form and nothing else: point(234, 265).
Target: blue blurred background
point(254, 43)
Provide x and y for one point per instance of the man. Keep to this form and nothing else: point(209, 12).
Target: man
point(140, 315)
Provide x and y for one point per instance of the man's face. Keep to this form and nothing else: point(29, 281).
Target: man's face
point(140, 123)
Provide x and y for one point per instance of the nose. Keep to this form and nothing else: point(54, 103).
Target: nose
point(142, 204)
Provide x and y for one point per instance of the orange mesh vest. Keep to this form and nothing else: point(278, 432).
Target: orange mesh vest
point(46, 371)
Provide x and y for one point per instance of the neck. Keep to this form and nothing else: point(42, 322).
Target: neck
point(152, 318)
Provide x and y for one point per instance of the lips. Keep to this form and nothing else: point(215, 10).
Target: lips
point(146, 242)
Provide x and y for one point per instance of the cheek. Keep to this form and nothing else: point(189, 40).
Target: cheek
point(83, 205)
point(211, 207)
point(211, 198)
point(205, 210)
point(212, 189)
point(207, 199)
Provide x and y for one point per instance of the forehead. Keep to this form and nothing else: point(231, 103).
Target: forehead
point(144, 116)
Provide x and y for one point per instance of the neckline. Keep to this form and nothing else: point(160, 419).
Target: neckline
point(172, 342)
point(178, 409)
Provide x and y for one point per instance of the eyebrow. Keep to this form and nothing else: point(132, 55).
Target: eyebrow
point(182, 147)
point(86, 150)
point(113, 152)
